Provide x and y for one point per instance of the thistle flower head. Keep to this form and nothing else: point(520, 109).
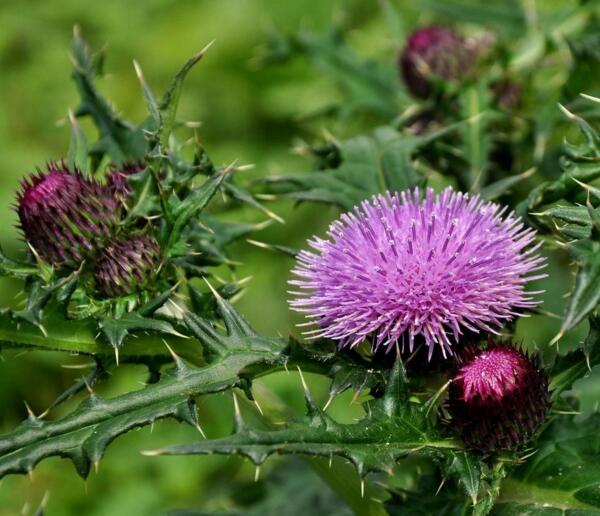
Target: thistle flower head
point(127, 265)
point(436, 52)
point(63, 215)
point(399, 268)
point(498, 398)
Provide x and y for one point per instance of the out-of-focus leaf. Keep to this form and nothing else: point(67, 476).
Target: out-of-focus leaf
point(120, 140)
point(585, 296)
point(475, 136)
point(369, 165)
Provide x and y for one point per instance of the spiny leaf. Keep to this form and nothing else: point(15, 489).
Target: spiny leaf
point(79, 336)
point(196, 201)
point(371, 445)
point(120, 140)
point(167, 107)
point(563, 476)
point(83, 435)
point(115, 330)
point(369, 165)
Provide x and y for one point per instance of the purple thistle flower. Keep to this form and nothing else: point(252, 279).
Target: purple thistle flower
point(127, 266)
point(65, 216)
point(498, 398)
point(398, 268)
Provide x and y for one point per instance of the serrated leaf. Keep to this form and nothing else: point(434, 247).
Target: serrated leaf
point(196, 201)
point(371, 445)
point(369, 165)
point(167, 107)
point(117, 138)
point(79, 336)
point(467, 468)
point(115, 330)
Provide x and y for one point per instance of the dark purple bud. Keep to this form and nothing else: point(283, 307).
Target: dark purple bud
point(64, 216)
point(498, 398)
point(127, 265)
point(437, 52)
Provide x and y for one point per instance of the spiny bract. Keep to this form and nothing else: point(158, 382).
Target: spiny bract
point(498, 398)
point(398, 267)
point(64, 216)
point(127, 265)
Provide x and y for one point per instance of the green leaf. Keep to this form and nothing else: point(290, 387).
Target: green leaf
point(167, 107)
point(196, 201)
point(369, 165)
point(467, 469)
point(117, 138)
point(77, 156)
point(585, 295)
point(83, 435)
point(475, 136)
point(503, 186)
point(115, 330)
point(575, 365)
point(563, 477)
point(79, 336)
point(368, 86)
point(393, 428)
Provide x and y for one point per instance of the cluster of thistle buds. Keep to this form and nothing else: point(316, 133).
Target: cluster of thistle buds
point(70, 220)
point(405, 270)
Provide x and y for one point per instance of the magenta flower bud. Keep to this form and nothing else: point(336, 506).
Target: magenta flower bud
point(64, 216)
point(498, 398)
point(435, 52)
point(399, 268)
point(127, 266)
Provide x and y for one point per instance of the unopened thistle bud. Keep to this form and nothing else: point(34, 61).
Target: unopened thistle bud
point(498, 398)
point(64, 216)
point(127, 266)
point(437, 52)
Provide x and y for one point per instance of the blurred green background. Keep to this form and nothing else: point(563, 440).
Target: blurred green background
point(248, 113)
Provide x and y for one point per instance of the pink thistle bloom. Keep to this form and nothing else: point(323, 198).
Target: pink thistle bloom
point(397, 268)
point(498, 398)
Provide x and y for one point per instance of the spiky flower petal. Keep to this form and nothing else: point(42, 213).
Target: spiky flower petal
point(498, 398)
point(436, 52)
point(64, 216)
point(127, 265)
point(399, 268)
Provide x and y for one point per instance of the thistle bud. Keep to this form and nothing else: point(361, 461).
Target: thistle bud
point(437, 52)
point(117, 178)
point(127, 266)
point(498, 398)
point(64, 216)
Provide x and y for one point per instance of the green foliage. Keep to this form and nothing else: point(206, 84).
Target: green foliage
point(400, 456)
